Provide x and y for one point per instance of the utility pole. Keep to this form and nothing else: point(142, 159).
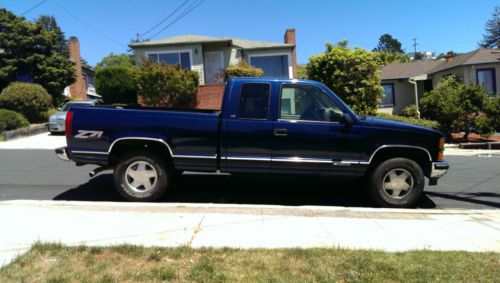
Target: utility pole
point(415, 46)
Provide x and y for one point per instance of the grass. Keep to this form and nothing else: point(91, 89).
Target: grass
point(56, 263)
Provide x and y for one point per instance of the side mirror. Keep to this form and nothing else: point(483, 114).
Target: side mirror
point(346, 119)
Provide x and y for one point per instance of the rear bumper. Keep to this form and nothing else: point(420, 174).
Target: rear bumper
point(62, 154)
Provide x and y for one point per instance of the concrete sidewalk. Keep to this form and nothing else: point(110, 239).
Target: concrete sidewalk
point(243, 226)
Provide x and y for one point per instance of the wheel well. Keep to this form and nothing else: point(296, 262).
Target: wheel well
point(125, 146)
point(420, 156)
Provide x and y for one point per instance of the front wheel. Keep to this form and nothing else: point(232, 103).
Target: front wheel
point(397, 182)
point(142, 176)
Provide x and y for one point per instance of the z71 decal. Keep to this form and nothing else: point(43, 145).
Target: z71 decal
point(82, 134)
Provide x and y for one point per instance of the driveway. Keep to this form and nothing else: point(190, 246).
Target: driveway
point(29, 173)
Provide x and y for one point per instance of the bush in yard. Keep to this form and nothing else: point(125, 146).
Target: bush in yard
point(163, 85)
point(410, 111)
point(10, 120)
point(242, 69)
point(353, 74)
point(420, 122)
point(29, 99)
point(117, 84)
point(493, 112)
point(459, 107)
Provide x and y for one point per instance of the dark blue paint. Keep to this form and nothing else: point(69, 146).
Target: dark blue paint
point(223, 134)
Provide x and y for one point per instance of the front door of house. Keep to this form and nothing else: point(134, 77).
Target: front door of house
point(214, 64)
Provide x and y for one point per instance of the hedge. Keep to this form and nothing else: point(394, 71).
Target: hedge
point(420, 122)
point(10, 120)
point(242, 69)
point(29, 99)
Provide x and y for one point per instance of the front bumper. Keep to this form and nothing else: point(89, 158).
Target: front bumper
point(62, 154)
point(438, 170)
point(56, 126)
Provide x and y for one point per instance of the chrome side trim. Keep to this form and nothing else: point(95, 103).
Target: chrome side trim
point(141, 138)
point(196, 156)
point(302, 160)
point(398, 145)
point(244, 158)
point(89, 152)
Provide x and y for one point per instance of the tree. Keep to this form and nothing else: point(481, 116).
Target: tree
point(353, 74)
point(163, 85)
point(388, 44)
point(491, 39)
point(115, 79)
point(459, 107)
point(302, 71)
point(391, 57)
point(49, 23)
point(29, 55)
point(125, 60)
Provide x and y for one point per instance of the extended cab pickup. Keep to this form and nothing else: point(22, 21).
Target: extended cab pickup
point(279, 126)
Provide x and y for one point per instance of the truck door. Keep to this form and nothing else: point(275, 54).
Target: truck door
point(309, 135)
point(247, 130)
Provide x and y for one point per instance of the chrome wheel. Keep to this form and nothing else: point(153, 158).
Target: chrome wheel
point(398, 183)
point(141, 176)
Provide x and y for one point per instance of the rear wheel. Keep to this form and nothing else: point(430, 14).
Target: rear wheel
point(142, 176)
point(397, 182)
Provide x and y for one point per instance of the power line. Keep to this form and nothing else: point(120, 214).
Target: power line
point(32, 8)
point(86, 24)
point(165, 19)
point(182, 15)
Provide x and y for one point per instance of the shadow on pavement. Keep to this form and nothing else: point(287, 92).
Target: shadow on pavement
point(471, 198)
point(244, 189)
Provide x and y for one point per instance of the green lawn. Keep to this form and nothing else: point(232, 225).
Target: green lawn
point(56, 263)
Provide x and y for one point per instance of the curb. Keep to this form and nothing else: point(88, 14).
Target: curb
point(480, 145)
point(25, 132)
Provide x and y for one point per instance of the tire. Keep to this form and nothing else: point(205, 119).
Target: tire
point(397, 183)
point(142, 176)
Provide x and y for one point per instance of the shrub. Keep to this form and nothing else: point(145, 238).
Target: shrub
point(10, 120)
point(420, 122)
point(410, 111)
point(29, 99)
point(459, 107)
point(163, 85)
point(117, 84)
point(353, 74)
point(242, 69)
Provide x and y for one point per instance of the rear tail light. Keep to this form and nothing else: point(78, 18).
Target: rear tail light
point(69, 123)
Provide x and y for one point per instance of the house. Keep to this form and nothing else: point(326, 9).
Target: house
point(405, 83)
point(83, 87)
point(210, 55)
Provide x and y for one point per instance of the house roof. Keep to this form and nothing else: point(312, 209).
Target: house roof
point(201, 39)
point(411, 69)
point(407, 70)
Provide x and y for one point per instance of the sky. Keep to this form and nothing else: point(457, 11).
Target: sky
point(107, 26)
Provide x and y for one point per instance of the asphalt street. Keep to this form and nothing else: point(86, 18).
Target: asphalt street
point(472, 182)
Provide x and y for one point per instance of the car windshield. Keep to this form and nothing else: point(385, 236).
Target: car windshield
point(68, 106)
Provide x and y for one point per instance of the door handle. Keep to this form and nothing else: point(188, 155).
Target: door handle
point(281, 132)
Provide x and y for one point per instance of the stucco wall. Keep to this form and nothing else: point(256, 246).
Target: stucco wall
point(404, 95)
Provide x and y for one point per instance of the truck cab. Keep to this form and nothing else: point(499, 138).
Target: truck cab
point(277, 126)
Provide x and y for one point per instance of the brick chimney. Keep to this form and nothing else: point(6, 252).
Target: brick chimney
point(290, 39)
point(78, 89)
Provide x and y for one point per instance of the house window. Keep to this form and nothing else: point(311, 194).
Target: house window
point(275, 66)
point(388, 95)
point(254, 101)
point(172, 58)
point(486, 78)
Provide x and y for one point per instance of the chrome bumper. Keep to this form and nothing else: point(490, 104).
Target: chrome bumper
point(439, 169)
point(61, 153)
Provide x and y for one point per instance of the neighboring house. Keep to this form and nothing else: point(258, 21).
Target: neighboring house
point(405, 83)
point(210, 55)
point(83, 87)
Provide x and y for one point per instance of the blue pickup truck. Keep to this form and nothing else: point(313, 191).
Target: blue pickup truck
point(281, 126)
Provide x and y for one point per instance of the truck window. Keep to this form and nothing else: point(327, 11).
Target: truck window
point(304, 102)
point(254, 101)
